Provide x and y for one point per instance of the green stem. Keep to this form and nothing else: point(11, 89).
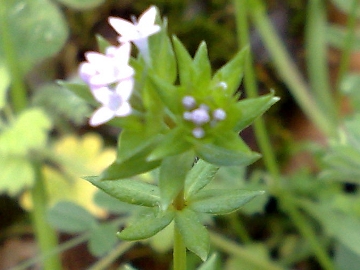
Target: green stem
point(45, 235)
point(288, 70)
point(179, 253)
point(105, 262)
point(18, 89)
point(348, 43)
point(307, 231)
point(251, 90)
point(259, 126)
point(239, 228)
point(317, 58)
point(232, 248)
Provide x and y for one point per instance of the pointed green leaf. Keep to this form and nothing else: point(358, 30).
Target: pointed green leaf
point(168, 93)
point(232, 72)
point(227, 150)
point(102, 239)
point(102, 43)
point(173, 171)
point(70, 217)
point(251, 108)
point(184, 61)
point(202, 66)
point(210, 264)
point(221, 201)
point(199, 176)
point(130, 167)
point(147, 225)
point(171, 144)
point(194, 234)
point(129, 190)
point(162, 55)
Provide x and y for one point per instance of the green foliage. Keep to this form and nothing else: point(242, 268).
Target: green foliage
point(4, 84)
point(81, 4)
point(34, 29)
point(17, 145)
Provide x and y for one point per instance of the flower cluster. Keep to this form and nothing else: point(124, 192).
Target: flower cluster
point(200, 115)
point(109, 75)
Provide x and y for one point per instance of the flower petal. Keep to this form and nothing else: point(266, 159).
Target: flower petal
point(101, 116)
point(147, 18)
point(97, 59)
point(125, 88)
point(102, 94)
point(124, 110)
point(126, 29)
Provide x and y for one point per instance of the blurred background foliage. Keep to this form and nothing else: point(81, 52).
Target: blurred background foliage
point(50, 40)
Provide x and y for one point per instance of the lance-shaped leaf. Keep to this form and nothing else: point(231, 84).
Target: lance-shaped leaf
point(227, 150)
point(194, 234)
point(184, 60)
point(202, 67)
point(221, 201)
point(210, 264)
point(168, 93)
point(147, 225)
point(251, 108)
point(173, 171)
point(162, 55)
point(232, 72)
point(199, 176)
point(171, 144)
point(129, 191)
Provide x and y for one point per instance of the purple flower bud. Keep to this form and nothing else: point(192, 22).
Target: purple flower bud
point(198, 132)
point(219, 114)
point(187, 116)
point(189, 102)
point(200, 116)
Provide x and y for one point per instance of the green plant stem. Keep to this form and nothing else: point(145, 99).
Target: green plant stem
point(288, 71)
point(18, 89)
point(348, 43)
point(179, 253)
point(239, 228)
point(251, 90)
point(317, 59)
point(263, 138)
point(306, 230)
point(105, 262)
point(232, 248)
point(47, 238)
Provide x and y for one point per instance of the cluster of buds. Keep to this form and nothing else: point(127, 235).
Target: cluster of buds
point(109, 75)
point(200, 115)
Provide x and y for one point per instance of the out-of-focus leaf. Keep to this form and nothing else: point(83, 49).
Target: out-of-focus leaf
point(345, 6)
point(16, 174)
point(4, 84)
point(27, 132)
point(210, 264)
point(34, 30)
point(82, 4)
point(345, 258)
point(59, 103)
point(336, 36)
point(102, 239)
point(70, 217)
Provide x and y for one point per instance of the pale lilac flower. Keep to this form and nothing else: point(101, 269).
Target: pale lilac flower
point(189, 102)
point(198, 132)
point(115, 103)
point(138, 31)
point(104, 69)
point(200, 116)
point(219, 114)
